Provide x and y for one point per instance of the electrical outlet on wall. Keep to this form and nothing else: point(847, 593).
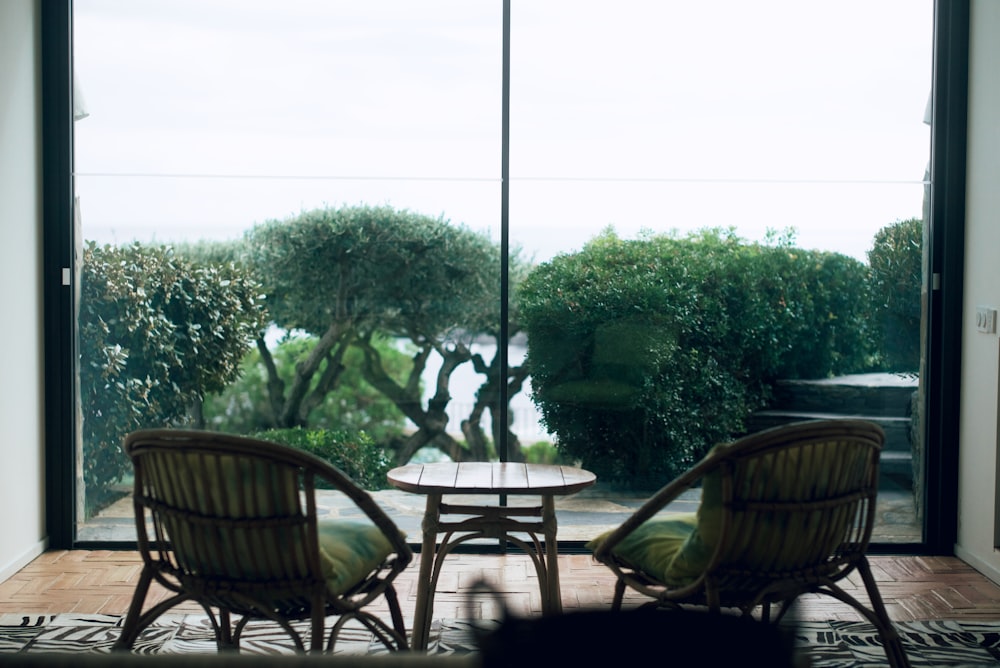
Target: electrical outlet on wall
point(986, 319)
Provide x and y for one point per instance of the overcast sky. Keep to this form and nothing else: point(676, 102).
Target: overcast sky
point(207, 116)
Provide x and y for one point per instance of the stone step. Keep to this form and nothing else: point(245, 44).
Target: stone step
point(897, 429)
point(898, 466)
point(884, 399)
point(896, 460)
point(880, 394)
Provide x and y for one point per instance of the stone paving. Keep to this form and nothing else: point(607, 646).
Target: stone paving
point(588, 513)
point(581, 516)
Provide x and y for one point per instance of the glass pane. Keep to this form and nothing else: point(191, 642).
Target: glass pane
point(219, 129)
point(792, 126)
point(649, 119)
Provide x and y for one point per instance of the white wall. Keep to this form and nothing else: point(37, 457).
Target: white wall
point(22, 519)
point(978, 439)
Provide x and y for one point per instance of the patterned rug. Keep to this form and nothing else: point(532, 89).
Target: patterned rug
point(828, 644)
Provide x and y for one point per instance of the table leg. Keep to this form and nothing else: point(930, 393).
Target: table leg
point(554, 594)
point(428, 554)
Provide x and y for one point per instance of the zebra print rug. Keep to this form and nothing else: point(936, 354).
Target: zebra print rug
point(828, 644)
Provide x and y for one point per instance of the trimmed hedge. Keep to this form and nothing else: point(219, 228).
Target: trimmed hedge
point(644, 353)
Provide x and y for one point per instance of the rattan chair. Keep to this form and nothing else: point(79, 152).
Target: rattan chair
point(783, 512)
point(232, 524)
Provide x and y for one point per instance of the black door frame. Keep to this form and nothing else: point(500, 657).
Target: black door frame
point(948, 153)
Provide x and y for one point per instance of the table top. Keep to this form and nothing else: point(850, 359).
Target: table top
point(490, 478)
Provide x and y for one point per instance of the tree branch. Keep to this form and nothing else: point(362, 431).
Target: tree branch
point(306, 369)
point(275, 386)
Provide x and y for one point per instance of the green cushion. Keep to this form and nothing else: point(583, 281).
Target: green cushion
point(350, 550)
point(204, 485)
point(693, 556)
point(654, 545)
point(676, 550)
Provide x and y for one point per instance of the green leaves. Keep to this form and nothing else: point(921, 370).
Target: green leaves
point(688, 332)
point(343, 275)
point(896, 276)
point(244, 405)
point(375, 268)
point(353, 452)
point(156, 333)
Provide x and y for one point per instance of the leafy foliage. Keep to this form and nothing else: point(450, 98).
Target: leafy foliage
point(896, 273)
point(243, 406)
point(645, 352)
point(543, 452)
point(373, 267)
point(156, 333)
point(353, 452)
point(350, 275)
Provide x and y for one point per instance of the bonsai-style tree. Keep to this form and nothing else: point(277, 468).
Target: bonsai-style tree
point(244, 407)
point(349, 276)
point(488, 397)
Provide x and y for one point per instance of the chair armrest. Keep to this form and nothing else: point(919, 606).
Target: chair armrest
point(366, 503)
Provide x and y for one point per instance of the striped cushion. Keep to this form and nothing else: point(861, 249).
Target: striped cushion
point(350, 550)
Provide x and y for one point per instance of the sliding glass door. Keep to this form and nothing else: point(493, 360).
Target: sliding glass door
point(293, 216)
point(327, 177)
point(795, 132)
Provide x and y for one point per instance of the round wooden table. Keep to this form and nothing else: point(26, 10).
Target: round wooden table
point(487, 521)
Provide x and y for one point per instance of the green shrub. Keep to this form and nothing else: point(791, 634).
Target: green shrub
point(156, 333)
point(543, 452)
point(646, 352)
point(896, 274)
point(824, 327)
point(354, 453)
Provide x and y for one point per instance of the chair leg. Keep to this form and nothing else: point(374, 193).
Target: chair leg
point(135, 619)
point(890, 637)
point(877, 615)
point(318, 627)
point(396, 614)
point(616, 603)
point(130, 630)
point(226, 640)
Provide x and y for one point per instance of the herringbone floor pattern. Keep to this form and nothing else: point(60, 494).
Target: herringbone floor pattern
point(101, 581)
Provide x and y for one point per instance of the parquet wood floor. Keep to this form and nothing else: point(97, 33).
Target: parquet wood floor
point(101, 581)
